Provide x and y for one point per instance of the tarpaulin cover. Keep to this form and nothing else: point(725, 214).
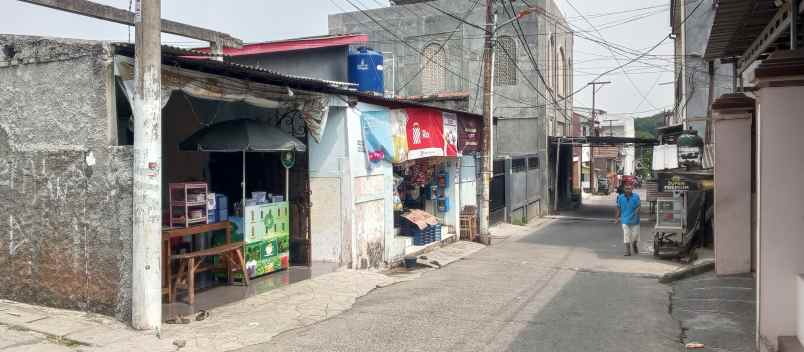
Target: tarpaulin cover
point(377, 137)
point(314, 107)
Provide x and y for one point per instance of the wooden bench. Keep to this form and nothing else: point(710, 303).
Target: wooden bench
point(192, 263)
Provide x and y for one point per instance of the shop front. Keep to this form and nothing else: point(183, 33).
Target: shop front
point(236, 190)
point(430, 173)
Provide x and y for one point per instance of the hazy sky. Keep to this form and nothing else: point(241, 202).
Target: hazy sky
point(260, 20)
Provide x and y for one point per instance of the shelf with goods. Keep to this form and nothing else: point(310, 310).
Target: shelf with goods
point(188, 203)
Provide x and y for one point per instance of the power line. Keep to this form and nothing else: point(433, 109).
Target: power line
point(442, 45)
point(631, 81)
point(421, 53)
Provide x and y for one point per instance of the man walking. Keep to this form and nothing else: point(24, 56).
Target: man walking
point(628, 215)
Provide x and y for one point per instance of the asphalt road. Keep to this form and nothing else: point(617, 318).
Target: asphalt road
point(564, 287)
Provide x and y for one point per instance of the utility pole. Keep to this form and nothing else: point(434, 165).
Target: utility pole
point(596, 132)
point(488, 119)
point(146, 284)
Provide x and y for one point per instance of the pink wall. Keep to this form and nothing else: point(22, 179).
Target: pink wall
point(780, 209)
point(732, 192)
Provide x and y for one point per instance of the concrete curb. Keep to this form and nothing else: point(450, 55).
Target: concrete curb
point(684, 272)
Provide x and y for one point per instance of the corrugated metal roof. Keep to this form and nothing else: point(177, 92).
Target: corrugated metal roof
point(181, 57)
point(293, 44)
point(737, 23)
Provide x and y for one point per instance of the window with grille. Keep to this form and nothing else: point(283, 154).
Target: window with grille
point(434, 74)
point(505, 62)
point(517, 165)
point(533, 163)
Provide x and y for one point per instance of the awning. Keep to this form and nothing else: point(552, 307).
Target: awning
point(241, 136)
point(737, 23)
point(602, 140)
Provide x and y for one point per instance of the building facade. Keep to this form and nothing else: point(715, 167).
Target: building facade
point(431, 53)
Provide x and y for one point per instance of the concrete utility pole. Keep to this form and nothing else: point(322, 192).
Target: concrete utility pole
point(146, 284)
point(596, 132)
point(488, 119)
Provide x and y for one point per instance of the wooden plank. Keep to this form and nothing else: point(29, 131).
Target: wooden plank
point(195, 230)
point(113, 14)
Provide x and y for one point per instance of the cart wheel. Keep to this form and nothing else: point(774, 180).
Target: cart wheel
point(657, 244)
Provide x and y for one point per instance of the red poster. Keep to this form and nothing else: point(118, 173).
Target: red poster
point(425, 133)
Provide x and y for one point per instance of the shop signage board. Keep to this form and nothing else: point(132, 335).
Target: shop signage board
point(377, 138)
point(468, 136)
point(288, 158)
point(267, 238)
point(450, 122)
point(668, 182)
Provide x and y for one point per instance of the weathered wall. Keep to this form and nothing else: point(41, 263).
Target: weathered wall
point(65, 192)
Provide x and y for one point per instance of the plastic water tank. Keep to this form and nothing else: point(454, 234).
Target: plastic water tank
point(365, 69)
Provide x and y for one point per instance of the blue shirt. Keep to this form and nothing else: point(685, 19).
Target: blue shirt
point(628, 208)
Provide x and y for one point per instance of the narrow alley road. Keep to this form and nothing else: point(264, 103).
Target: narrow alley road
point(563, 287)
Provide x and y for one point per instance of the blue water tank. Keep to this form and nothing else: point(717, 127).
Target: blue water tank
point(365, 69)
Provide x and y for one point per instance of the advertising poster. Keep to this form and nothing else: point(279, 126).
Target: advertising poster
point(424, 133)
point(399, 135)
point(469, 136)
point(267, 238)
point(450, 123)
point(377, 139)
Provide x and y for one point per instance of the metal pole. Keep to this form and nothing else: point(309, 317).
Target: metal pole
point(243, 186)
point(592, 181)
point(287, 185)
point(794, 24)
point(555, 182)
point(146, 281)
point(488, 119)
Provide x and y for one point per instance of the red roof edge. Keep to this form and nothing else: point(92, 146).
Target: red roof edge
point(294, 44)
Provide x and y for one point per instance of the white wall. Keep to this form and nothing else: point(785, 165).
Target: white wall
point(327, 161)
point(781, 200)
point(732, 139)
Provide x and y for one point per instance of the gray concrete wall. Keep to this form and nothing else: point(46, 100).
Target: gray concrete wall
point(65, 190)
point(320, 63)
point(697, 27)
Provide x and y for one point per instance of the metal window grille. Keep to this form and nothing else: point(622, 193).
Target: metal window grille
point(518, 165)
point(505, 62)
point(434, 74)
point(533, 163)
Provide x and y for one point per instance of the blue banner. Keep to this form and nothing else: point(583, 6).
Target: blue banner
point(377, 137)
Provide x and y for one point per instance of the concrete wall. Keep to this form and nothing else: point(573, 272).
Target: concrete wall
point(781, 199)
point(321, 63)
point(695, 76)
point(65, 189)
point(328, 167)
point(732, 193)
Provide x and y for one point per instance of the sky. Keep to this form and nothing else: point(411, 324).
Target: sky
point(634, 25)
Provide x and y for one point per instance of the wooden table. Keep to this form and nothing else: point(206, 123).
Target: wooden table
point(178, 232)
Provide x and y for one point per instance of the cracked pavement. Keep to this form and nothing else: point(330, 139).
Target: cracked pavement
point(561, 287)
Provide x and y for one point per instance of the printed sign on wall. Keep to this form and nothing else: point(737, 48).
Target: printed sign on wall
point(425, 133)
